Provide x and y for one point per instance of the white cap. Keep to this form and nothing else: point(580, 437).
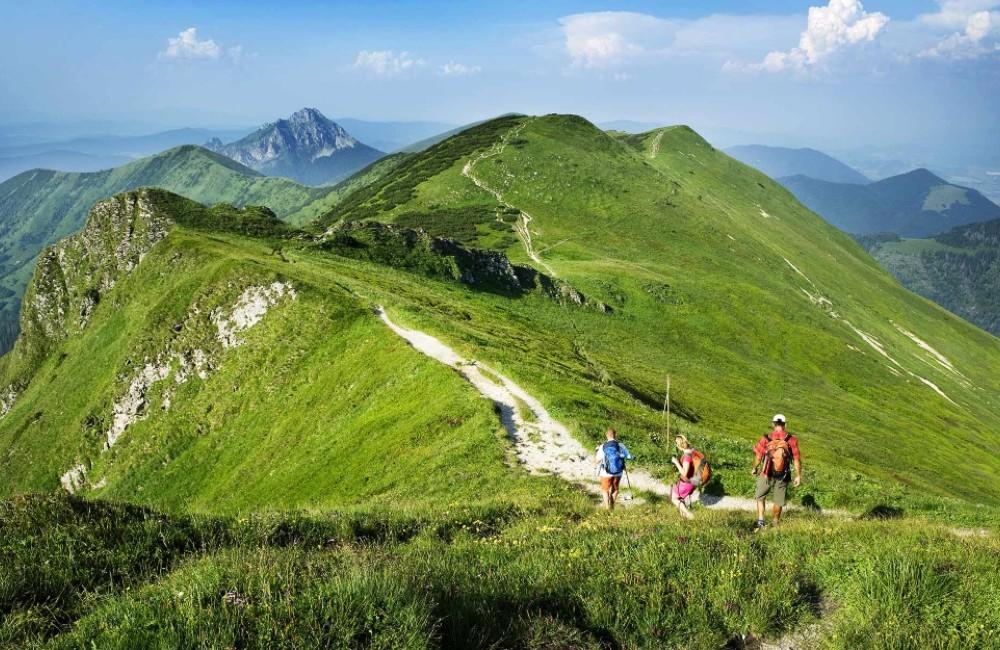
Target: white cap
point(779, 418)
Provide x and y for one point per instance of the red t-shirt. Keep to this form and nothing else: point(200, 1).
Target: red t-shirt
point(760, 449)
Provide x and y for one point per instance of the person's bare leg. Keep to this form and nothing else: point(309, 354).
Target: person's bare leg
point(760, 509)
point(606, 496)
point(682, 508)
point(776, 513)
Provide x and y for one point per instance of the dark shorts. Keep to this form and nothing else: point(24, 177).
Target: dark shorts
point(778, 488)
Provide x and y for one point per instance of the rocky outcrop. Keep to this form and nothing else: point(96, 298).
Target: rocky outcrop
point(74, 479)
point(185, 361)
point(8, 397)
point(414, 249)
point(251, 307)
point(74, 274)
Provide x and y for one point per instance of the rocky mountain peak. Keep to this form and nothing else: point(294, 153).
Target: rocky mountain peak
point(306, 146)
point(308, 115)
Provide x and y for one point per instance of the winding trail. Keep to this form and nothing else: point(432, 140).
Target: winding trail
point(522, 227)
point(542, 444)
point(654, 146)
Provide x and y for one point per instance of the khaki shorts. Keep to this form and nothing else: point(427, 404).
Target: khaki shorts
point(610, 483)
point(777, 487)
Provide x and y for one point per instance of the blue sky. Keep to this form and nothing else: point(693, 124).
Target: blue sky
point(815, 73)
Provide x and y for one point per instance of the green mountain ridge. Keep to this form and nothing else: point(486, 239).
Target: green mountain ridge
point(915, 204)
point(713, 274)
point(258, 460)
point(39, 207)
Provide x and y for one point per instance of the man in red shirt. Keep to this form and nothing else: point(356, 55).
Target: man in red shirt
point(778, 451)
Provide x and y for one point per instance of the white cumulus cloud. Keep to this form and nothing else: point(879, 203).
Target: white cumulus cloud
point(607, 39)
point(829, 28)
point(186, 46)
point(977, 26)
point(452, 69)
point(386, 63)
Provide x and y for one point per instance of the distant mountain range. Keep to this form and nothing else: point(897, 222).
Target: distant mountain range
point(59, 159)
point(959, 270)
point(92, 153)
point(307, 147)
point(915, 204)
point(778, 162)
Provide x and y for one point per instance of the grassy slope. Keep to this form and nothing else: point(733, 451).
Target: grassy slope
point(40, 207)
point(76, 574)
point(346, 411)
point(727, 318)
point(679, 244)
point(364, 177)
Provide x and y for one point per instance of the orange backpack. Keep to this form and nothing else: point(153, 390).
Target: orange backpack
point(779, 457)
point(701, 470)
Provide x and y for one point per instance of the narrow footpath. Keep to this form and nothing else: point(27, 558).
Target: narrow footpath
point(542, 444)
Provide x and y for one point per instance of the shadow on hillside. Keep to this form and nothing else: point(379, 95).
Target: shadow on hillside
point(883, 511)
point(524, 618)
point(713, 493)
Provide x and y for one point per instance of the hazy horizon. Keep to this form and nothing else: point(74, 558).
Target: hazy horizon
point(837, 74)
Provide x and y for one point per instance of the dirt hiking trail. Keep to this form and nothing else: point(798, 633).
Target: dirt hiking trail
point(542, 444)
point(522, 227)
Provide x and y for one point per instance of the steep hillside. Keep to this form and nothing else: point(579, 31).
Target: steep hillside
point(778, 162)
point(142, 339)
point(214, 360)
point(914, 204)
point(687, 263)
point(39, 207)
point(714, 272)
point(306, 147)
point(959, 270)
point(425, 143)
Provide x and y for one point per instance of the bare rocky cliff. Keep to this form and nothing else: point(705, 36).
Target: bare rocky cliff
point(72, 275)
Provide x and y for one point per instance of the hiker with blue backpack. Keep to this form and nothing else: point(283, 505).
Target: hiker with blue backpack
point(610, 459)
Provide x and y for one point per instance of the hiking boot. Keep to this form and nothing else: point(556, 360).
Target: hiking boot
point(760, 525)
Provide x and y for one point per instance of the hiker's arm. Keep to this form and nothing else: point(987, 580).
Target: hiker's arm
point(758, 456)
point(798, 461)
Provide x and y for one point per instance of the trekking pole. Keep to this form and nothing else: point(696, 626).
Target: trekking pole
point(666, 407)
point(628, 483)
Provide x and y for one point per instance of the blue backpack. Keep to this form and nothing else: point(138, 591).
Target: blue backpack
point(613, 461)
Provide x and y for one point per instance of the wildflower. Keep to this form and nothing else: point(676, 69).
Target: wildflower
point(234, 598)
